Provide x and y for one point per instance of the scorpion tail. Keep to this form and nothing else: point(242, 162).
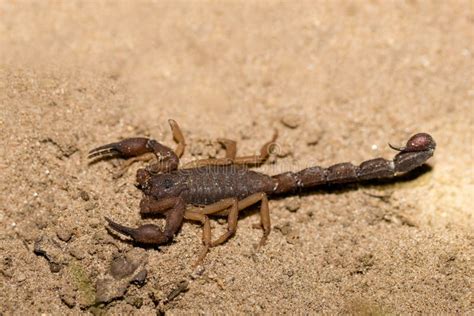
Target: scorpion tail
point(419, 148)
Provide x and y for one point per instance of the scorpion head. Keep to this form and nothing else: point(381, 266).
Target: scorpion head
point(143, 179)
point(160, 185)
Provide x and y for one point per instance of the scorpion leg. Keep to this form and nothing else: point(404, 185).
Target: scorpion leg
point(206, 233)
point(260, 158)
point(231, 152)
point(265, 223)
point(178, 138)
point(172, 208)
point(220, 208)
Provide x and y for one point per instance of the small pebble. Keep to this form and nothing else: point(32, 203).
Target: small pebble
point(293, 204)
point(41, 222)
point(95, 222)
point(282, 149)
point(291, 120)
point(140, 277)
point(64, 234)
point(134, 301)
point(284, 229)
point(89, 205)
point(77, 253)
point(68, 299)
point(121, 268)
point(84, 195)
point(21, 277)
point(108, 290)
point(314, 137)
point(54, 267)
point(293, 237)
point(181, 287)
point(197, 272)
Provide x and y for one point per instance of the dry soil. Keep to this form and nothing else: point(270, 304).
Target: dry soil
point(337, 79)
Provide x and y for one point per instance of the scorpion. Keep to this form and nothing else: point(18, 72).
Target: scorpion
point(226, 186)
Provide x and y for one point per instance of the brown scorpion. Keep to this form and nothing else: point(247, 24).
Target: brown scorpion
point(224, 186)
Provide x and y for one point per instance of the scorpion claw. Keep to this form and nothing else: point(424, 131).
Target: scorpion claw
point(120, 228)
point(147, 234)
point(130, 147)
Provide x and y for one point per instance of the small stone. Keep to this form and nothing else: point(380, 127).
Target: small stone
point(284, 229)
point(181, 287)
point(291, 120)
point(282, 149)
point(64, 234)
point(77, 253)
point(90, 205)
point(54, 267)
point(197, 272)
point(95, 222)
point(108, 290)
point(293, 237)
point(140, 277)
point(21, 277)
point(50, 250)
point(313, 137)
point(134, 301)
point(293, 204)
point(84, 195)
point(68, 299)
point(41, 222)
point(121, 268)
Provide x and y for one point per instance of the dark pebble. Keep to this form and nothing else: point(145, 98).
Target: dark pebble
point(121, 268)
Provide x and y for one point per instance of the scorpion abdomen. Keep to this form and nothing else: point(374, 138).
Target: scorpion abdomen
point(209, 184)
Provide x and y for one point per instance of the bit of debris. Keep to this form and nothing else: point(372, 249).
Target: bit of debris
point(313, 137)
point(291, 120)
point(49, 249)
point(54, 267)
point(197, 272)
point(135, 301)
point(107, 290)
point(124, 266)
point(77, 252)
point(182, 286)
point(121, 268)
point(292, 235)
point(284, 229)
point(364, 263)
point(90, 205)
point(383, 197)
point(64, 234)
point(292, 204)
point(68, 298)
point(140, 278)
point(282, 149)
point(121, 276)
point(84, 195)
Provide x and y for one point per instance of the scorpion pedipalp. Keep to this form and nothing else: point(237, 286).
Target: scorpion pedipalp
point(146, 234)
point(130, 147)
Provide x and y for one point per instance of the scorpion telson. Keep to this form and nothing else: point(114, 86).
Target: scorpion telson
point(224, 186)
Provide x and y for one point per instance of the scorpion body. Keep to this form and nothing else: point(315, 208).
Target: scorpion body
point(224, 186)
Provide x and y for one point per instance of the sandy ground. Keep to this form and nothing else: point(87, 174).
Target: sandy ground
point(348, 76)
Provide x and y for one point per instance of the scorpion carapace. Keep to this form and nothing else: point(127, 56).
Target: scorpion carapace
point(224, 186)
